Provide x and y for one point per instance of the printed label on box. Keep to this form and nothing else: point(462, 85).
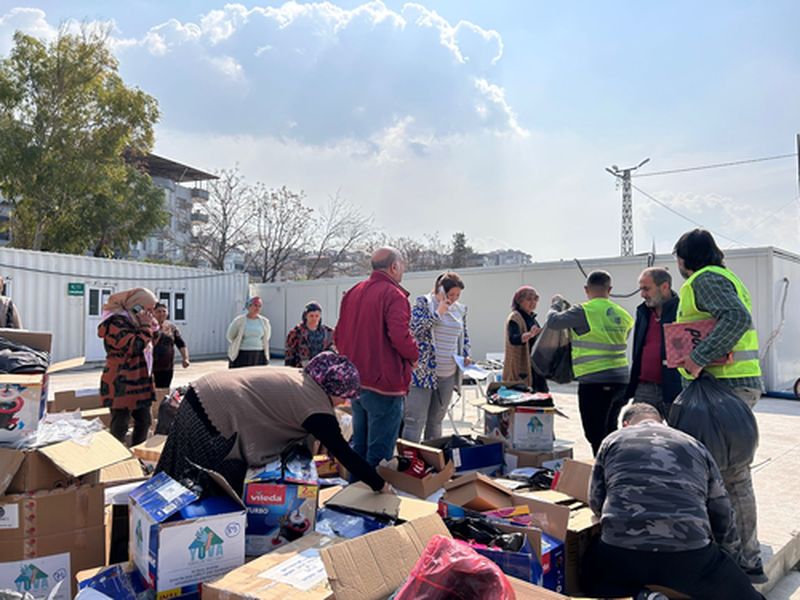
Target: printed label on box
point(199, 551)
point(456, 457)
point(170, 491)
point(303, 571)
point(38, 577)
point(9, 516)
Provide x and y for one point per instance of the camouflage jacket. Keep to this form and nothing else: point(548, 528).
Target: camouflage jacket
point(657, 489)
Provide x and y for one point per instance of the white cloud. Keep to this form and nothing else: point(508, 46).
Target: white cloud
point(31, 21)
point(309, 65)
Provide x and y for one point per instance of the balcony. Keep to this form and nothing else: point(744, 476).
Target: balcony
point(199, 217)
point(200, 195)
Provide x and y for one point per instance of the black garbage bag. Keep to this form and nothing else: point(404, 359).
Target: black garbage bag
point(168, 409)
point(19, 358)
point(551, 356)
point(709, 411)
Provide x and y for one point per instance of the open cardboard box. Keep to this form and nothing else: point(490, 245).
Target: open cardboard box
point(292, 571)
point(79, 399)
point(476, 491)
point(521, 427)
point(360, 497)
point(421, 487)
point(59, 464)
point(486, 457)
point(373, 566)
point(25, 396)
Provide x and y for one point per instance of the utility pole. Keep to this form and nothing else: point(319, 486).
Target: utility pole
point(623, 177)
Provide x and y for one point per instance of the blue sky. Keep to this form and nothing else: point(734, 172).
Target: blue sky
point(492, 118)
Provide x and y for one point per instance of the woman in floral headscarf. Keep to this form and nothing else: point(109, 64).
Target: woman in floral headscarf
point(126, 385)
point(235, 419)
point(309, 338)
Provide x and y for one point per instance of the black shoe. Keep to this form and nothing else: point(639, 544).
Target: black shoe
point(757, 575)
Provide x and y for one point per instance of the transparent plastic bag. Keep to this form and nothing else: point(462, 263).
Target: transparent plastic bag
point(712, 413)
point(449, 569)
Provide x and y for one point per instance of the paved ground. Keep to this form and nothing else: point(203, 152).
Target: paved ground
point(775, 471)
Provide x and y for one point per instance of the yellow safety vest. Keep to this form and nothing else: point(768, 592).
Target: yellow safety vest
point(745, 352)
point(603, 347)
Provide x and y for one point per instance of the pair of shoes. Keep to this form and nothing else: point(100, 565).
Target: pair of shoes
point(756, 575)
point(648, 595)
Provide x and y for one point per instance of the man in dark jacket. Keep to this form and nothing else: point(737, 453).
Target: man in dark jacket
point(651, 380)
point(373, 332)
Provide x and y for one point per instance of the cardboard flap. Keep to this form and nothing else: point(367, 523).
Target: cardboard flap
point(26, 380)
point(127, 470)
point(221, 482)
point(494, 409)
point(373, 566)
point(359, 496)
point(432, 456)
point(10, 462)
point(75, 459)
point(70, 363)
point(574, 478)
point(470, 477)
point(38, 340)
point(551, 518)
point(162, 496)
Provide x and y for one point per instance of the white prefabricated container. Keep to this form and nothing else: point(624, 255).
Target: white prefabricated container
point(64, 294)
point(489, 290)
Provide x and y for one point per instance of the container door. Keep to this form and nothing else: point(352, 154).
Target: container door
point(96, 297)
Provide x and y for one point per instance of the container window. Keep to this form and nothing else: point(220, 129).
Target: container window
point(180, 306)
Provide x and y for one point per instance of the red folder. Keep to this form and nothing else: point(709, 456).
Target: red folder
point(681, 338)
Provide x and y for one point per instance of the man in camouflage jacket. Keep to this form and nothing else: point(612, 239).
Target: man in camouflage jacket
point(665, 516)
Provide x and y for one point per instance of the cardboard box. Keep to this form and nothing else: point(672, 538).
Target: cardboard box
point(281, 506)
point(521, 427)
point(80, 399)
point(150, 450)
point(476, 491)
point(292, 571)
point(421, 487)
point(517, 459)
point(23, 398)
point(360, 497)
point(373, 566)
point(63, 526)
point(121, 472)
point(486, 458)
point(60, 464)
point(176, 553)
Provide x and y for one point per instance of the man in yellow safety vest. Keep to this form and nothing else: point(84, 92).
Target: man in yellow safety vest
point(711, 291)
point(599, 329)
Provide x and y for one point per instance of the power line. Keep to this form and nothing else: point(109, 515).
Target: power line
point(682, 216)
point(717, 165)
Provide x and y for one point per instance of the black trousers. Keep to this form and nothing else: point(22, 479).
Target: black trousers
point(600, 404)
point(249, 358)
point(120, 418)
point(163, 379)
point(707, 573)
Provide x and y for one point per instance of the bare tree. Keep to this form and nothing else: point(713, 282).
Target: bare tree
point(340, 229)
point(229, 214)
point(283, 222)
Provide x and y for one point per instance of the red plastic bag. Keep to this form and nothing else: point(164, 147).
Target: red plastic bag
point(449, 570)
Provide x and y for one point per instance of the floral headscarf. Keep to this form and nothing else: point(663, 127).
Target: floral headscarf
point(521, 294)
point(335, 374)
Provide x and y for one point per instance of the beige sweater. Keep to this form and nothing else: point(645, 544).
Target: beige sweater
point(265, 406)
point(236, 334)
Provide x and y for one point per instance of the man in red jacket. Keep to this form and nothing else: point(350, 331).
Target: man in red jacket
point(373, 332)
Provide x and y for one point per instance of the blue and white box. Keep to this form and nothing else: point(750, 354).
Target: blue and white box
point(178, 541)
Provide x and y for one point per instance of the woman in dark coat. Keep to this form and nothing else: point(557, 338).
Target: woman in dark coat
point(126, 385)
point(309, 338)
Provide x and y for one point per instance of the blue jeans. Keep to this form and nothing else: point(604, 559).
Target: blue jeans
point(376, 425)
